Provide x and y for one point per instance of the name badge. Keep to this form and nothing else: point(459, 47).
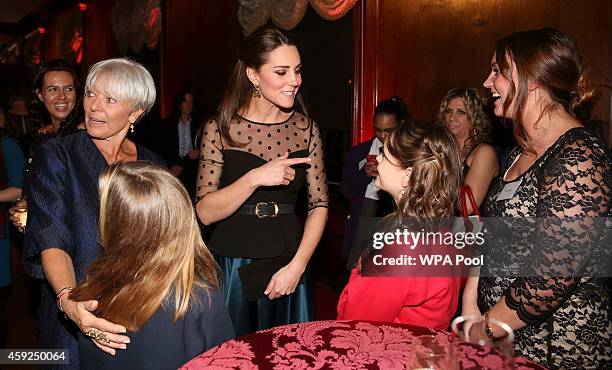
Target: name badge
point(509, 190)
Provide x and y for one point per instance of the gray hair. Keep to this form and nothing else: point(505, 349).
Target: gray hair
point(124, 80)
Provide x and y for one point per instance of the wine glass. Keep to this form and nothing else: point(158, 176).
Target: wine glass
point(433, 352)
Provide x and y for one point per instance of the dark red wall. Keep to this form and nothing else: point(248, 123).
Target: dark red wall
point(421, 48)
point(99, 37)
point(199, 44)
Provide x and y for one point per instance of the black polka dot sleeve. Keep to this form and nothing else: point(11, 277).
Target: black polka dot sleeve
point(315, 174)
point(211, 160)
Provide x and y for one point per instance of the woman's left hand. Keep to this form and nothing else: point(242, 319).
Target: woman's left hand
point(284, 281)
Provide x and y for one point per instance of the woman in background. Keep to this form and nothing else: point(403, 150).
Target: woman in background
point(177, 141)
point(59, 91)
point(359, 172)
point(154, 276)
point(420, 169)
point(462, 111)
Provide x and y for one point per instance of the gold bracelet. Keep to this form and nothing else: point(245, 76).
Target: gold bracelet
point(59, 296)
point(67, 287)
point(488, 328)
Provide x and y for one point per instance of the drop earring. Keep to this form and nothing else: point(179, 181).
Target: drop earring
point(404, 188)
point(132, 128)
point(256, 91)
point(405, 181)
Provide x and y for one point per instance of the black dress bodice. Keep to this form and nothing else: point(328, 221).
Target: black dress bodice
point(248, 236)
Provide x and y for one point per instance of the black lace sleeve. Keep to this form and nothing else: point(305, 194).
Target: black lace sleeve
point(315, 174)
point(211, 160)
point(574, 189)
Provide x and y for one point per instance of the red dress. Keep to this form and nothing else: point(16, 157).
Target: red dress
point(407, 298)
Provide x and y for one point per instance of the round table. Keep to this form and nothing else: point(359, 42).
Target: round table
point(337, 345)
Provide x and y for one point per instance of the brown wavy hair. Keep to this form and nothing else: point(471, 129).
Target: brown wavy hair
point(239, 91)
point(549, 58)
point(152, 251)
point(433, 154)
point(475, 104)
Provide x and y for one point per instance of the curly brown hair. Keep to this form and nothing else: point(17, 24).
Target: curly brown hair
point(433, 154)
point(475, 104)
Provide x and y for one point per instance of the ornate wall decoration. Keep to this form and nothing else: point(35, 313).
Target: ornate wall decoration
point(286, 14)
point(67, 37)
point(136, 23)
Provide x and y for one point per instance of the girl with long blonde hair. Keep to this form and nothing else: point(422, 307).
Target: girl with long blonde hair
point(155, 275)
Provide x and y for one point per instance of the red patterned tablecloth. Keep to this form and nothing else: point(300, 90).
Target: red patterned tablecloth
point(337, 345)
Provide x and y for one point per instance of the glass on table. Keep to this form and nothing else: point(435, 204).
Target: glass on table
point(433, 352)
point(462, 326)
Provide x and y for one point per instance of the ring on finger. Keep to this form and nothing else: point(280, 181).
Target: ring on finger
point(97, 335)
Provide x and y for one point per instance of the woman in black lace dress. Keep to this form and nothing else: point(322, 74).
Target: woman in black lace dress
point(561, 174)
point(254, 159)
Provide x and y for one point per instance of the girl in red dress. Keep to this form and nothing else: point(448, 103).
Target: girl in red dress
point(420, 169)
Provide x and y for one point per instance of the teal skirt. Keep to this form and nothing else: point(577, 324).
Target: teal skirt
point(263, 313)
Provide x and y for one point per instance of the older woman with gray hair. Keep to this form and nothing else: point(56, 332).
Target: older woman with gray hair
point(61, 238)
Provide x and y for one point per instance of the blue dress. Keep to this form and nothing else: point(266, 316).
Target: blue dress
point(63, 209)
point(160, 343)
point(13, 165)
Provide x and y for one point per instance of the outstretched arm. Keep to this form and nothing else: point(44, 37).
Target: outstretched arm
point(59, 271)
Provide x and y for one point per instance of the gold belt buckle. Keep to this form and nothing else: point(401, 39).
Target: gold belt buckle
point(262, 204)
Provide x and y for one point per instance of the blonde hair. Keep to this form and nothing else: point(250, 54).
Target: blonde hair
point(124, 80)
point(475, 105)
point(151, 247)
point(433, 154)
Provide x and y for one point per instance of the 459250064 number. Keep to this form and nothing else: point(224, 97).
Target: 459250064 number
point(34, 356)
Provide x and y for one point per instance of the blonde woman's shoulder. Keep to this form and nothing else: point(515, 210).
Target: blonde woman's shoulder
point(483, 154)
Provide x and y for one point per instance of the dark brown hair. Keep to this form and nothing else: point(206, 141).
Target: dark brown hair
point(433, 154)
point(253, 53)
point(75, 117)
point(396, 107)
point(152, 251)
point(549, 58)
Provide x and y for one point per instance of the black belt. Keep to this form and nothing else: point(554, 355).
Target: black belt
point(266, 209)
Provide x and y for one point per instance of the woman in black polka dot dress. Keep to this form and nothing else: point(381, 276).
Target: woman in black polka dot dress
point(255, 157)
